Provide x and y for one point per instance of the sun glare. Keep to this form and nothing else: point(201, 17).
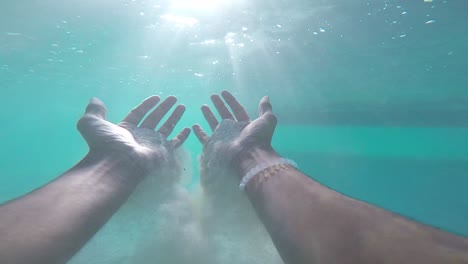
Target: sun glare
point(179, 21)
point(197, 5)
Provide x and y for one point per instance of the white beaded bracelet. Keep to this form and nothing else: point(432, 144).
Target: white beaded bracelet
point(262, 166)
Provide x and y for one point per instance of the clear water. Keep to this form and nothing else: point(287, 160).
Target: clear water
point(371, 96)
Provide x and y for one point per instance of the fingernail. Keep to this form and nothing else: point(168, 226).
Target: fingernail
point(95, 100)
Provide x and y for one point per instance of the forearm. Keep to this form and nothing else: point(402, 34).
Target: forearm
point(310, 223)
point(52, 223)
point(284, 208)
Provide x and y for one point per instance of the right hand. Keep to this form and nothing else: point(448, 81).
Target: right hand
point(237, 143)
point(134, 141)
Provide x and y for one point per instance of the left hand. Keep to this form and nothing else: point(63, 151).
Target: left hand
point(131, 140)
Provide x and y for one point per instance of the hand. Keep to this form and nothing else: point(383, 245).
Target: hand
point(237, 143)
point(131, 141)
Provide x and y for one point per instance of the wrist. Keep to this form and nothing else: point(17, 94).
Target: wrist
point(118, 167)
point(252, 158)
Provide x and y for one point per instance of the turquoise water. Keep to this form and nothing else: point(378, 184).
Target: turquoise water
point(371, 95)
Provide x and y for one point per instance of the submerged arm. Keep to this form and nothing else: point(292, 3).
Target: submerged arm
point(310, 223)
point(50, 224)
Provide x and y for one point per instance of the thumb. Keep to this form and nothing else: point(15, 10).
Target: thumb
point(264, 106)
point(96, 107)
point(264, 127)
point(267, 119)
point(94, 114)
point(270, 121)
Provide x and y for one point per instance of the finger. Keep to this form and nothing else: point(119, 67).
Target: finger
point(264, 106)
point(171, 122)
point(266, 124)
point(236, 107)
point(201, 135)
point(210, 117)
point(153, 119)
point(137, 113)
point(181, 137)
point(271, 121)
point(221, 107)
point(96, 107)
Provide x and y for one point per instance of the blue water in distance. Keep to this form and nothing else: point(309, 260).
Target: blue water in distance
point(371, 95)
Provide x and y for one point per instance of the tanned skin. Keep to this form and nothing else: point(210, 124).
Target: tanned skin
point(50, 224)
point(310, 223)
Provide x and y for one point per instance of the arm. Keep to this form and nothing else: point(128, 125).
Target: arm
point(308, 222)
point(52, 223)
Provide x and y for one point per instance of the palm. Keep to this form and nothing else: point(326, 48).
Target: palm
point(129, 139)
point(100, 133)
point(235, 134)
point(258, 132)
